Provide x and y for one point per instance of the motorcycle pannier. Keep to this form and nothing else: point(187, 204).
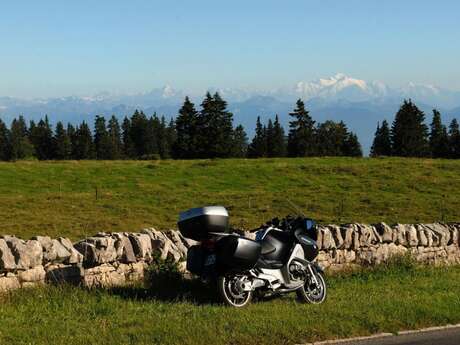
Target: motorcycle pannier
point(195, 259)
point(197, 223)
point(237, 253)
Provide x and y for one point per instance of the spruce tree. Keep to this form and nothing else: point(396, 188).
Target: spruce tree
point(171, 138)
point(84, 146)
point(139, 134)
point(454, 139)
point(301, 138)
point(154, 137)
point(72, 134)
point(439, 140)
point(332, 138)
point(5, 147)
point(258, 146)
point(240, 142)
point(270, 145)
point(187, 131)
point(163, 148)
point(41, 137)
point(215, 124)
point(382, 141)
point(278, 139)
point(63, 149)
point(114, 136)
point(21, 147)
point(203, 131)
point(101, 138)
point(409, 134)
point(128, 145)
point(352, 147)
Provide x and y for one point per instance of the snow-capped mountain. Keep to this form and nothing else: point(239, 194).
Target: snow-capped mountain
point(360, 103)
point(343, 87)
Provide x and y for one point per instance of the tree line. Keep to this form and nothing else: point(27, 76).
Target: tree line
point(305, 138)
point(409, 136)
point(204, 133)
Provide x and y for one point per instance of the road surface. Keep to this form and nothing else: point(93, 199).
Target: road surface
point(449, 336)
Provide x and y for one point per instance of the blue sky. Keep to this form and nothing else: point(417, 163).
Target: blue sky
point(58, 48)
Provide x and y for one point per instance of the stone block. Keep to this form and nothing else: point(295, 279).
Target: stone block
point(60, 273)
point(8, 283)
point(385, 232)
point(7, 261)
point(36, 274)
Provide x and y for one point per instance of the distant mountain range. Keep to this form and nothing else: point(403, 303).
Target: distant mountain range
point(360, 104)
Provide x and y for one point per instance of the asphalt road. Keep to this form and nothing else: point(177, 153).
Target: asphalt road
point(450, 336)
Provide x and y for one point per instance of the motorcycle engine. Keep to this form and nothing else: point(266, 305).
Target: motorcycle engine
point(296, 271)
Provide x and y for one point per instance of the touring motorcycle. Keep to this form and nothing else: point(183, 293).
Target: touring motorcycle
point(280, 260)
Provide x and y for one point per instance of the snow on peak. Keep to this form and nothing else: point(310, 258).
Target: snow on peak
point(340, 86)
point(168, 91)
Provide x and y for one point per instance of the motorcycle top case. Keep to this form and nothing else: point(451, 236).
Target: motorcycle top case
point(197, 223)
point(237, 253)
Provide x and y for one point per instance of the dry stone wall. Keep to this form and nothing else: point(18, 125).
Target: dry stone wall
point(111, 259)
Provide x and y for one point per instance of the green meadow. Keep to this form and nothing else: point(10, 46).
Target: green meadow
point(80, 198)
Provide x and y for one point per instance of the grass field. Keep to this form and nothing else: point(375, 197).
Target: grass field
point(76, 199)
point(383, 300)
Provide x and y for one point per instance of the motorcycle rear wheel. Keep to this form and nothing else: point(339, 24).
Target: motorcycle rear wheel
point(230, 294)
point(313, 294)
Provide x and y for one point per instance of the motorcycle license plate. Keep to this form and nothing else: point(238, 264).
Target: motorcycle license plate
point(210, 260)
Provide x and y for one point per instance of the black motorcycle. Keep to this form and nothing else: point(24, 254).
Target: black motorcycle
point(279, 261)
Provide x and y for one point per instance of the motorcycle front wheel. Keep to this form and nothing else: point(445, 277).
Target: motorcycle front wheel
point(311, 292)
point(231, 292)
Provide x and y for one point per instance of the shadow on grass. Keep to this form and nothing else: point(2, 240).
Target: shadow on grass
point(164, 282)
point(180, 290)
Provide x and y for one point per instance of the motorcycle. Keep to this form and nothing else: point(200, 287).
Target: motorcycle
point(280, 260)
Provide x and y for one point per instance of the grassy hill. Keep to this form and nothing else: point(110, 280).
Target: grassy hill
point(80, 198)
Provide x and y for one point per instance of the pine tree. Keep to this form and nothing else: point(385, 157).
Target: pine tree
point(301, 138)
point(258, 146)
point(63, 143)
point(187, 131)
point(114, 139)
point(382, 141)
point(84, 146)
point(454, 139)
point(409, 134)
point(240, 142)
point(21, 146)
point(439, 140)
point(5, 147)
point(352, 147)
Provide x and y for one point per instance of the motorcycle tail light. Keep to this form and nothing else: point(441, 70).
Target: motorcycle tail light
point(209, 244)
